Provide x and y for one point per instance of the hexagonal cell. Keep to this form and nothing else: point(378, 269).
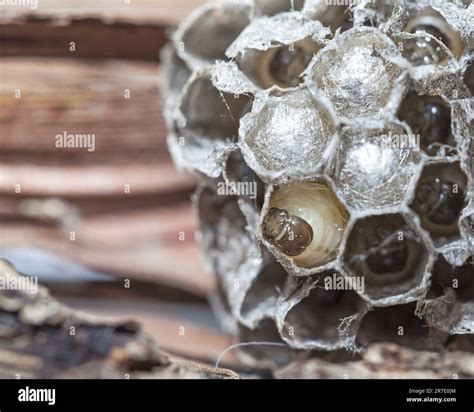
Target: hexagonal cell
point(281, 66)
point(317, 320)
point(223, 234)
point(390, 256)
point(243, 181)
point(397, 324)
point(347, 70)
point(331, 15)
point(440, 199)
point(207, 33)
point(211, 113)
point(263, 346)
point(425, 50)
point(373, 168)
point(430, 118)
point(176, 70)
point(287, 132)
point(272, 7)
point(261, 298)
point(305, 222)
point(458, 278)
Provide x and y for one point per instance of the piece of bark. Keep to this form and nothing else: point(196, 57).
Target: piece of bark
point(386, 361)
point(41, 338)
point(100, 29)
point(176, 333)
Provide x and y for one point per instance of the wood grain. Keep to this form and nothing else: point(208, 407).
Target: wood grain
point(138, 11)
point(105, 29)
point(125, 201)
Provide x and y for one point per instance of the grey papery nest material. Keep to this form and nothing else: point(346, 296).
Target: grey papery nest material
point(334, 149)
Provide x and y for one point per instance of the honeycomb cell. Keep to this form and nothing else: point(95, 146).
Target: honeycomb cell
point(373, 168)
point(316, 320)
point(390, 257)
point(330, 15)
point(260, 300)
point(396, 324)
point(246, 183)
point(430, 118)
point(177, 72)
point(440, 198)
point(206, 34)
point(223, 234)
point(305, 221)
point(424, 50)
point(272, 7)
point(211, 113)
point(458, 278)
point(348, 69)
point(287, 132)
point(205, 122)
point(280, 66)
point(264, 33)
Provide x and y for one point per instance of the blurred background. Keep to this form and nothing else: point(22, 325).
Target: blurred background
point(109, 231)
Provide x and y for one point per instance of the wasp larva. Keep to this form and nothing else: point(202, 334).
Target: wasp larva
point(306, 222)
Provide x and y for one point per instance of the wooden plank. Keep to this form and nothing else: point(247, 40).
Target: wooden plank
point(125, 201)
point(105, 29)
point(138, 11)
point(118, 102)
point(155, 245)
point(107, 180)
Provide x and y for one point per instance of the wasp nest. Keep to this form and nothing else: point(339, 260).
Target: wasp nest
point(334, 149)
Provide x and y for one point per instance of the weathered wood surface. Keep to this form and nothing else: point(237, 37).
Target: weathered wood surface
point(41, 338)
point(138, 11)
point(176, 333)
point(100, 29)
point(126, 204)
